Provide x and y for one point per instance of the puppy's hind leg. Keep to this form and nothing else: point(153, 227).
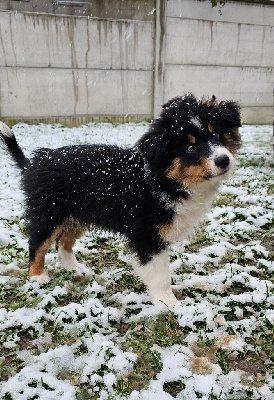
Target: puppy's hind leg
point(65, 249)
point(156, 276)
point(37, 260)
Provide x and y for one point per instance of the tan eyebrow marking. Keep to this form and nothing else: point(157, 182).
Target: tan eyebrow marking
point(210, 127)
point(191, 139)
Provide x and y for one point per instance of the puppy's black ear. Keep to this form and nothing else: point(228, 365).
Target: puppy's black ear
point(229, 116)
point(154, 148)
point(229, 112)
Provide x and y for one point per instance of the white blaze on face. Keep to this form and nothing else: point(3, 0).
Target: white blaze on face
point(221, 161)
point(196, 122)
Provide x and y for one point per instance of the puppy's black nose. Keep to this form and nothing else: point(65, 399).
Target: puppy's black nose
point(222, 161)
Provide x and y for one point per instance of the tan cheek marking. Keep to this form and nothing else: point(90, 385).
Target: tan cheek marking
point(164, 230)
point(194, 174)
point(174, 172)
point(189, 175)
point(191, 139)
point(210, 127)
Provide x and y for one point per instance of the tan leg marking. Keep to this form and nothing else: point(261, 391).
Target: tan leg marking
point(36, 268)
point(65, 237)
point(68, 238)
point(65, 243)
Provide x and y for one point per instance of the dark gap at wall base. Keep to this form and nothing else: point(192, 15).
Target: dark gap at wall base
point(75, 121)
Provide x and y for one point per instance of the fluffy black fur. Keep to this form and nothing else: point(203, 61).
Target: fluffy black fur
point(122, 190)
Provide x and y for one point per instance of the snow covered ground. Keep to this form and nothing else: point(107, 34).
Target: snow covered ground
point(98, 337)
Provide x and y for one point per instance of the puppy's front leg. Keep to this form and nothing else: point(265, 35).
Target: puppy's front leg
point(156, 276)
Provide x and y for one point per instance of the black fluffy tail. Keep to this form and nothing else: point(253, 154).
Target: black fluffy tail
point(13, 147)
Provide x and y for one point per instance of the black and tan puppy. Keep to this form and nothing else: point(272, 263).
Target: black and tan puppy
point(153, 193)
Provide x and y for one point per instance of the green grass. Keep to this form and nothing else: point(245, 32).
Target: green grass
point(139, 337)
point(236, 308)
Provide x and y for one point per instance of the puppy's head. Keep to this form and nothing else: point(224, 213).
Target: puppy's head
point(193, 140)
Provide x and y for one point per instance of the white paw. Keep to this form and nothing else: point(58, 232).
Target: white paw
point(68, 261)
point(168, 299)
point(72, 266)
point(42, 278)
point(80, 269)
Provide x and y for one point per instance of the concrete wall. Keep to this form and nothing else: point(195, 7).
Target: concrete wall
point(59, 66)
point(119, 9)
point(128, 58)
point(229, 55)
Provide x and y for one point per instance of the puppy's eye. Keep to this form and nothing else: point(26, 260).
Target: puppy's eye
point(191, 148)
point(215, 135)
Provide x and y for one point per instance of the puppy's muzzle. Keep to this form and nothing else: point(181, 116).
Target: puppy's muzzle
point(222, 161)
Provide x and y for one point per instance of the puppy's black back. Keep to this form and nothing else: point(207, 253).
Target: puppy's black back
point(97, 185)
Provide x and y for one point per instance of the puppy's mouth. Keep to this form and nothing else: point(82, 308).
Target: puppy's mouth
point(221, 173)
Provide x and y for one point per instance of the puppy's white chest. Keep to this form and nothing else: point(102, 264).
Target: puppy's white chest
point(188, 213)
